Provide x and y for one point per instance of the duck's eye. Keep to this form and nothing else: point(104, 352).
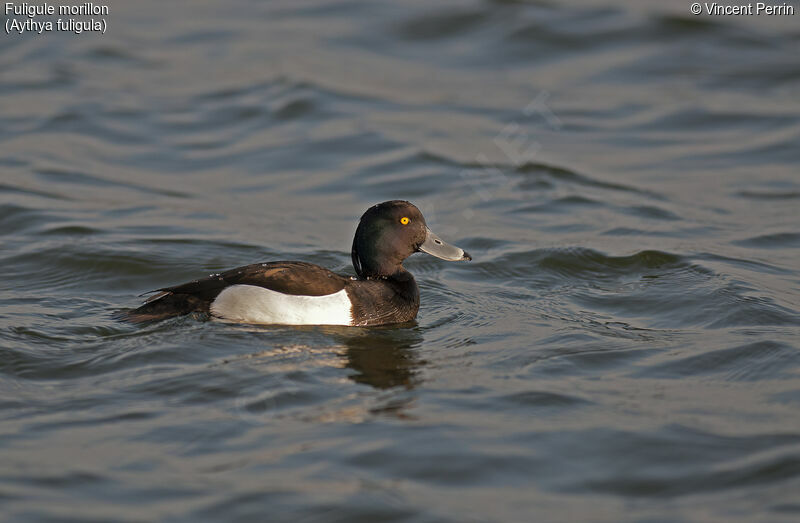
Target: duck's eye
point(404, 220)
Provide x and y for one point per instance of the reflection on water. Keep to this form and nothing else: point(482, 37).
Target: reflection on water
point(623, 346)
point(383, 358)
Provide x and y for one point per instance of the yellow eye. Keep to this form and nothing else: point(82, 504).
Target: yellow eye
point(404, 220)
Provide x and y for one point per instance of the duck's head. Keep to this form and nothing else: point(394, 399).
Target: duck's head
point(390, 232)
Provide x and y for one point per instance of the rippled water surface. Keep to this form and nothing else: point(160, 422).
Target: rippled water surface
point(624, 346)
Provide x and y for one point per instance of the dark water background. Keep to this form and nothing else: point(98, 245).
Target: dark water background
point(625, 345)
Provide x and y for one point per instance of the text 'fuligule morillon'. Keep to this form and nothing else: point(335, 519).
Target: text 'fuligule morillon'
point(32, 10)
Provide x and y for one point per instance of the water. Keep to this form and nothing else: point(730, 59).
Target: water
point(623, 347)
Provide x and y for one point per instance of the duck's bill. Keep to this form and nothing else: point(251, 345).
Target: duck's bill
point(434, 246)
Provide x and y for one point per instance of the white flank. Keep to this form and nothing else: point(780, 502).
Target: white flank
point(253, 304)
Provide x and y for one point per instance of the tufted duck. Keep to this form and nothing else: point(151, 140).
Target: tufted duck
point(298, 293)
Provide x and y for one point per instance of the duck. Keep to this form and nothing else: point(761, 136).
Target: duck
point(383, 292)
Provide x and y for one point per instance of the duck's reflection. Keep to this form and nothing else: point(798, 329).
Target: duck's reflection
point(386, 359)
point(383, 357)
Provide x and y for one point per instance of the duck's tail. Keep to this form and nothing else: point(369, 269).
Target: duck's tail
point(163, 305)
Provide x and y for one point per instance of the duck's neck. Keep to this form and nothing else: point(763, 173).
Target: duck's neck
point(402, 280)
point(405, 286)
